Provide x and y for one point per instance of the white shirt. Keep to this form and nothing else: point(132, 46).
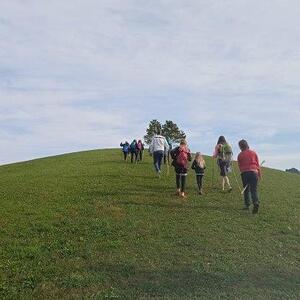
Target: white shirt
point(159, 143)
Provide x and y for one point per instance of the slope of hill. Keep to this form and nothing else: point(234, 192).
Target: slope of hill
point(88, 225)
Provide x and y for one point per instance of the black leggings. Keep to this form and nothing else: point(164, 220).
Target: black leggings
point(141, 155)
point(199, 179)
point(133, 155)
point(125, 155)
point(180, 182)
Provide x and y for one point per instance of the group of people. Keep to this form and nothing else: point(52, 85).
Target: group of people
point(248, 163)
point(135, 150)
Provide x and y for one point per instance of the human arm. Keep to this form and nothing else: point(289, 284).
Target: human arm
point(189, 156)
point(166, 145)
point(216, 151)
point(258, 166)
point(151, 146)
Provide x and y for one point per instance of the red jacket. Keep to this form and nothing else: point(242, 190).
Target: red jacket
point(248, 161)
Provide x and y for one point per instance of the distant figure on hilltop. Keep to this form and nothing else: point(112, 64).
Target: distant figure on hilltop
point(125, 149)
point(181, 155)
point(223, 154)
point(140, 150)
point(250, 172)
point(133, 151)
point(157, 149)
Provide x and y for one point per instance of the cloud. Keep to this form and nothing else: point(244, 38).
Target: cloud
point(83, 74)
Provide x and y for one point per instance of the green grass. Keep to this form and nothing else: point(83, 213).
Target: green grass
point(88, 225)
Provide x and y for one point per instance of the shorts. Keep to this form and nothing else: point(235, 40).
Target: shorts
point(223, 165)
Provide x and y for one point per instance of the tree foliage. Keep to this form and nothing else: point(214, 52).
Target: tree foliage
point(169, 130)
point(153, 128)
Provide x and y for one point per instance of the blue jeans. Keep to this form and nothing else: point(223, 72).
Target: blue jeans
point(250, 179)
point(157, 159)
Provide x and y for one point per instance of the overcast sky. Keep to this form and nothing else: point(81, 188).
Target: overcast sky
point(88, 74)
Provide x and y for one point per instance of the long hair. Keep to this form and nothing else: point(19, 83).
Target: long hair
point(200, 160)
point(221, 140)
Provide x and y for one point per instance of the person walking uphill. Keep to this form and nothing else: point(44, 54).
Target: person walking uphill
point(223, 153)
point(140, 150)
point(181, 155)
point(250, 172)
point(199, 166)
point(157, 148)
point(133, 151)
point(125, 149)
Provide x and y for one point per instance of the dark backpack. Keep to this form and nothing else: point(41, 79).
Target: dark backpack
point(133, 147)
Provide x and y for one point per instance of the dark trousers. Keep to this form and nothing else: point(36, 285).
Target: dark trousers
point(250, 179)
point(157, 160)
point(125, 155)
point(199, 179)
point(140, 155)
point(180, 182)
point(133, 156)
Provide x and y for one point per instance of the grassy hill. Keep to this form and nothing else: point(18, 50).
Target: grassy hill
point(88, 225)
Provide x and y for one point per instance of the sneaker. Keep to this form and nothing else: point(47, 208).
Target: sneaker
point(255, 209)
point(201, 192)
point(183, 195)
point(230, 189)
point(177, 193)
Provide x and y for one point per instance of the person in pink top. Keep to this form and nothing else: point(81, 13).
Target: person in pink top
point(250, 172)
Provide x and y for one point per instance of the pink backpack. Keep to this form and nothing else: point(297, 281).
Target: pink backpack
point(140, 146)
point(182, 158)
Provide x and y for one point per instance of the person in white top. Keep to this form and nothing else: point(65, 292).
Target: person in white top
point(157, 148)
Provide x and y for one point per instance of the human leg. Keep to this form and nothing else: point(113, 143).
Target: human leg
point(131, 156)
point(247, 190)
point(199, 182)
point(141, 155)
point(177, 184)
point(253, 180)
point(160, 155)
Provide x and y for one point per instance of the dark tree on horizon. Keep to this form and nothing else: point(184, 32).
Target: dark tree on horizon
point(170, 130)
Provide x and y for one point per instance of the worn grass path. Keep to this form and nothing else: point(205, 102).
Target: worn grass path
point(88, 225)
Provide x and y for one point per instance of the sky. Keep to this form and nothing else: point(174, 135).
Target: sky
point(88, 74)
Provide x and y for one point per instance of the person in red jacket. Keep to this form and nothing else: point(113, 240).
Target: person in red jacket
point(250, 172)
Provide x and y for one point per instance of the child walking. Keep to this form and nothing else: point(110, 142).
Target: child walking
point(199, 166)
point(181, 155)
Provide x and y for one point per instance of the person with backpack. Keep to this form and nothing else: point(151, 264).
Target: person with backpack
point(125, 149)
point(199, 166)
point(223, 154)
point(181, 155)
point(133, 151)
point(157, 148)
point(250, 172)
point(140, 150)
